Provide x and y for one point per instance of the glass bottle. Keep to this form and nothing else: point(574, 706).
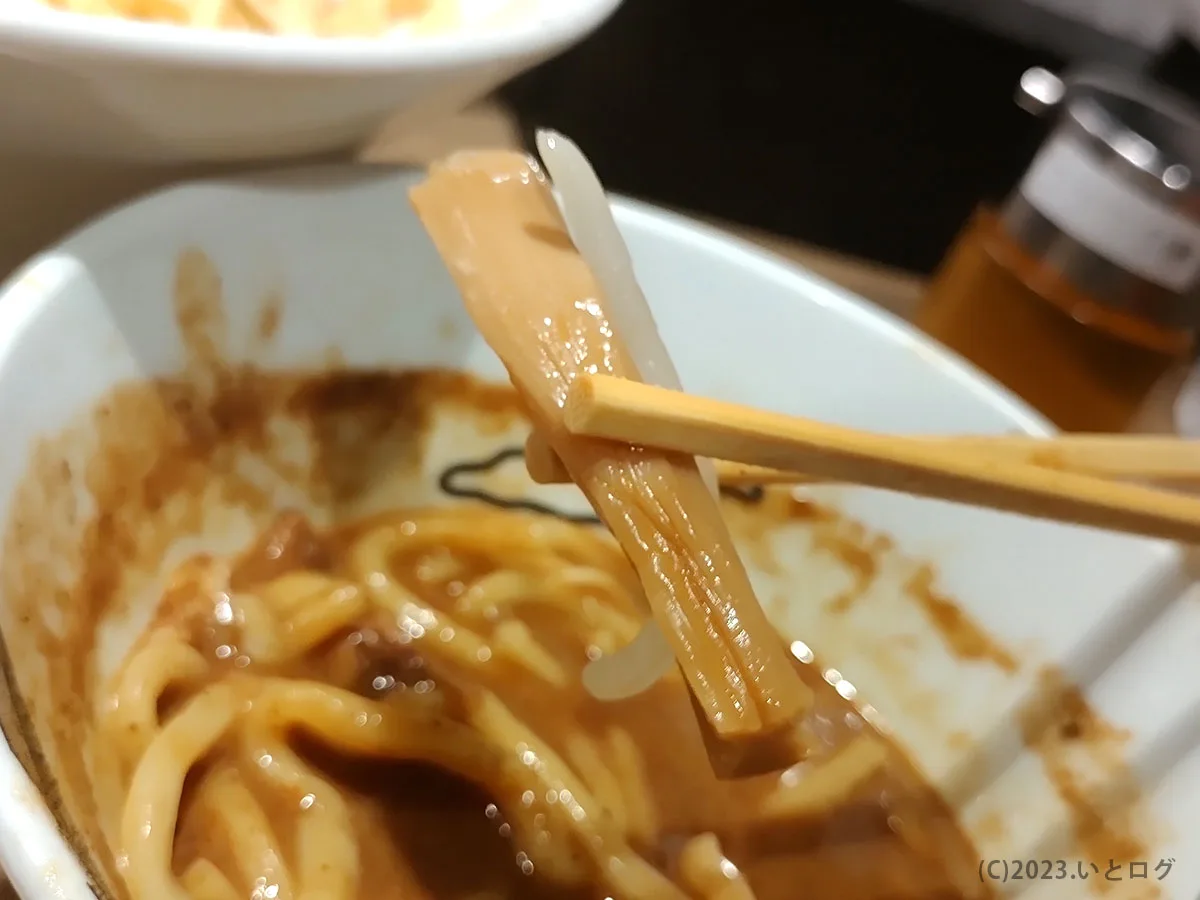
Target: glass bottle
point(1081, 292)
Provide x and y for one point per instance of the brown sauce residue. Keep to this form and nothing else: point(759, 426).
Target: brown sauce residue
point(421, 833)
point(168, 459)
point(156, 463)
point(200, 312)
point(270, 316)
point(1068, 736)
point(962, 635)
point(858, 552)
point(991, 828)
point(861, 553)
point(169, 453)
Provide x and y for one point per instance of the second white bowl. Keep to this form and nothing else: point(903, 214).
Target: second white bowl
point(124, 90)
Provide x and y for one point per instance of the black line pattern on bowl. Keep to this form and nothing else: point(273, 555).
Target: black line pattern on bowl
point(451, 483)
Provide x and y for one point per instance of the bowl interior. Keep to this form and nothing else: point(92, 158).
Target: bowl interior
point(964, 621)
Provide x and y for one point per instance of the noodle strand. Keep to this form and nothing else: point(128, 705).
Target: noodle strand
point(148, 825)
point(575, 817)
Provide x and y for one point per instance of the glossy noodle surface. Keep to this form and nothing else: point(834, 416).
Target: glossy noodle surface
point(392, 710)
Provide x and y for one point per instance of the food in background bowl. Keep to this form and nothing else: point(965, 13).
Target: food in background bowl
point(119, 89)
point(323, 18)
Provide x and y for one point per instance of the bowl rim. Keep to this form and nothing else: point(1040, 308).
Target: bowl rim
point(866, 314)
point(704, 237)
point(79, 36)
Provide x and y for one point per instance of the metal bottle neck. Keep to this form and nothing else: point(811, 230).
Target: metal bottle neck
point(1137, 141)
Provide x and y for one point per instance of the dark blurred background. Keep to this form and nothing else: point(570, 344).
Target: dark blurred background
point(869, 127)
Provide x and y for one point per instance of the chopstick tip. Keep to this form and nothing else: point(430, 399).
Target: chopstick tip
point(579, 405)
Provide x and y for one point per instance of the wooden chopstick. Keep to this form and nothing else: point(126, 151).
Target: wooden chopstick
point(1106, 455)
point(1152, 457)
point(545, 467)
point(628, 411)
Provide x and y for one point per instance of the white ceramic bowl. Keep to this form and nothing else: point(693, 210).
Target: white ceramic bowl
point(134, 91)
point(339, 264)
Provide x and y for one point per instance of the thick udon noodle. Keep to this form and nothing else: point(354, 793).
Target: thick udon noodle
point(451, 637)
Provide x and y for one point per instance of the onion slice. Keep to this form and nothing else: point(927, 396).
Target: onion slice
point(639, 665)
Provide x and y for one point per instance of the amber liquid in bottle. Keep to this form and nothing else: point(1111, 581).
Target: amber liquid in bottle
point(1083, 365)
